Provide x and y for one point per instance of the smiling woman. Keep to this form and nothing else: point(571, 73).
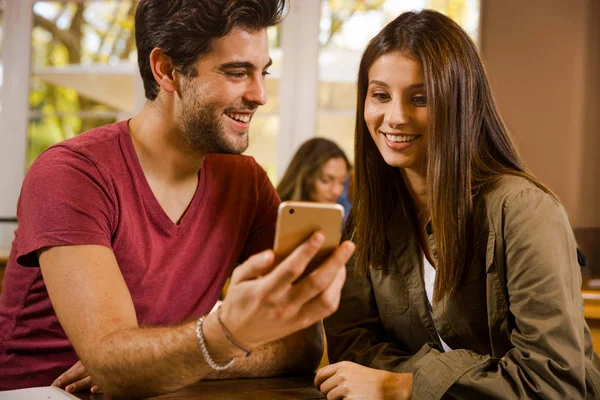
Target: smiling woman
point(466, 281)
point(317, 172)
point(396, 110)
point(345, 30)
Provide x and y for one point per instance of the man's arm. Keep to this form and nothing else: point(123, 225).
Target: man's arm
point(94, 306)
point(299, 353)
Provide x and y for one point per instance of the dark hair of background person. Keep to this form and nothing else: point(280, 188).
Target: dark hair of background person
point(184, 29)
point(301, 174)
point(468, 147)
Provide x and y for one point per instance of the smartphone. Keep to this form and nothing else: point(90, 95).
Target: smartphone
point(298, 220)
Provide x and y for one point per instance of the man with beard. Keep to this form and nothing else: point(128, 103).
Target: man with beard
point(128, 232)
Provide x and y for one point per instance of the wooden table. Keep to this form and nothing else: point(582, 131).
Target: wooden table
point(284, 388)
point(4, 255)
point(3, 260)
point(591, 300)
point(592, 315)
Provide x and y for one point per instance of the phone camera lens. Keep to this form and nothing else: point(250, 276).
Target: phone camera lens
point(292, 210)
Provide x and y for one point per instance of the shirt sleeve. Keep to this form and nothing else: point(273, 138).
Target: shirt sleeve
point(544, 280)
point(64, 201)
point(355, 333)
point(262, 231)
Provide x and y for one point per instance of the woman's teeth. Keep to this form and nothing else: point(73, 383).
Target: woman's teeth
point(401, 138)
point(239, 117)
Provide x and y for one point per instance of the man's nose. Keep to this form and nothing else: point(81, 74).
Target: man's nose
point(257, 91)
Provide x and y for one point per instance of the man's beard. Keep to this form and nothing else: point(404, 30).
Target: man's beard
point(203, 129)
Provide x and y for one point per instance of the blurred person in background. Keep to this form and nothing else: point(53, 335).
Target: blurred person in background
point(318, 172)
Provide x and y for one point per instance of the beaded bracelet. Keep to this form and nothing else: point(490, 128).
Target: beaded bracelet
point(228, 335)
point(204, 350)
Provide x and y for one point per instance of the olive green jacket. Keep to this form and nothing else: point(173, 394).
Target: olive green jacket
point(516, 324)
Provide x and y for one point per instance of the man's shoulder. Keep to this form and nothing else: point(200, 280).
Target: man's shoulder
point(90, 151)
point(92, 139)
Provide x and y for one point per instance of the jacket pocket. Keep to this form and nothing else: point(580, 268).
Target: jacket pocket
point(497, 302)
point(497, 307)
point(390, 291)
point(490, 248)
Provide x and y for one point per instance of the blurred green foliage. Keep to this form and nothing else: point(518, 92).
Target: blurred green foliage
point(97, 32)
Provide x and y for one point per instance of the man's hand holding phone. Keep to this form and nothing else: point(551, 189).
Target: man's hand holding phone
point(266, 303)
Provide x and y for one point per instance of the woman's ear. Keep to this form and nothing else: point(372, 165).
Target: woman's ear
point(163, 70)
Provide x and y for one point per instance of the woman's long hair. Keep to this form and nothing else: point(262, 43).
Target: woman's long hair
point(468, 147)
point(302, 172)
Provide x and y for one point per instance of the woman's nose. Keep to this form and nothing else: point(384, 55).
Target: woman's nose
point(396, 115)
point(338, 189)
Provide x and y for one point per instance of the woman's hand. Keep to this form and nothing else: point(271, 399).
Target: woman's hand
point(350, 381)
point(76, 379)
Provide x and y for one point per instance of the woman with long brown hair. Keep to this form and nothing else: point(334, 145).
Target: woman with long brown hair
point(317, 172)
point(465, 281)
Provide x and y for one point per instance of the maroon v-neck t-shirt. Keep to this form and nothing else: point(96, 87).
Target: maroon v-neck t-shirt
point(91, 190)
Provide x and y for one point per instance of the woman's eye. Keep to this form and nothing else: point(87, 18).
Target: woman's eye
point(380, 96)
point(419, 101)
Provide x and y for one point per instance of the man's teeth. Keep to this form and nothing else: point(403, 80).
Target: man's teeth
point(401, 138)
point(239, 117)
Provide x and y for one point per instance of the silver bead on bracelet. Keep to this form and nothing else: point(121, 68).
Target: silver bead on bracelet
point(204, 350)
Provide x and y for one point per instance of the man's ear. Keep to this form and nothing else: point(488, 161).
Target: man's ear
point(163, 70)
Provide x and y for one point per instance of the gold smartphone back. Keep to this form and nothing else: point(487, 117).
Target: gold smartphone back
point(298, 220)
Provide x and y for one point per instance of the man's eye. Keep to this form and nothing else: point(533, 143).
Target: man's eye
point(265, 73)
point(236, 74)
point(419, 101)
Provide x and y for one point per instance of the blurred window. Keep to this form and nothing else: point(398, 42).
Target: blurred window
point(80, 77)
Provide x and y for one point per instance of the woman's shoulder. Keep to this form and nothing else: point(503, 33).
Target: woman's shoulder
point(512, 195)
point(508, 187)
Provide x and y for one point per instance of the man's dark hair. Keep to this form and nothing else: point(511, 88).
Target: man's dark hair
point(184, 29)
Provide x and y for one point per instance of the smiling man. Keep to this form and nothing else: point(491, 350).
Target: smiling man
point(128, 232)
